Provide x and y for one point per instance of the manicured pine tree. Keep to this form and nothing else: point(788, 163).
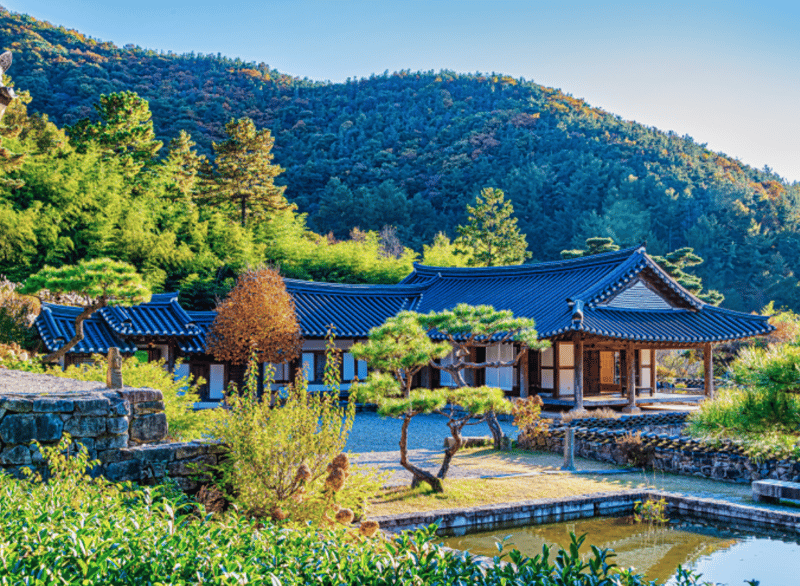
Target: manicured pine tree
point(596, 245)
point(467, 327)
point(491, 235)
point(396, 351)
point(100, 281)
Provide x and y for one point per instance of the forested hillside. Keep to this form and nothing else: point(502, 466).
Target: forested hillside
point(411, 150)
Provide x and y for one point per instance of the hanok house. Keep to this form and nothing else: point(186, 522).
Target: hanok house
point(605, 316)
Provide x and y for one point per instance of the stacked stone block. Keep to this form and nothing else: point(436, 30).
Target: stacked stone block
point(124, 429)
point(676, 454)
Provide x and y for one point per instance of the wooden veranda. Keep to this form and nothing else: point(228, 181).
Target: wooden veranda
point(608, 373)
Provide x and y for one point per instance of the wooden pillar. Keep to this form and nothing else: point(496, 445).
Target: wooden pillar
point(630, 379)
point(708, 370)
point(524, 376)
point(556, 372)
point(653, 381)
point(172, 350)
point(578, 365)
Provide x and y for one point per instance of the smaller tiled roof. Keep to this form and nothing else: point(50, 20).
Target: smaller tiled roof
point(197, 344)
point(56, 326)
point(162, 316)
point(353, 309)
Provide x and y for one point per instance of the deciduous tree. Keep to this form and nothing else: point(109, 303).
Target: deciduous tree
point(257, 317)
point(100, 282)
point(491, 235)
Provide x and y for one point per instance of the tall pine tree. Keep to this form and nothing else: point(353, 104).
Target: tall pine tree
point(125, 131)
point(244, 171)
point(491, 235)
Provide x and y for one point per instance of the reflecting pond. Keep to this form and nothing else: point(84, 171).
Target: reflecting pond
point(723, 554)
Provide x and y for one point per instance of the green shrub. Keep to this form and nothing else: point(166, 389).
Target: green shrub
point(283, 450)
point(73, 529)
point(180, 395)
point(762, 412)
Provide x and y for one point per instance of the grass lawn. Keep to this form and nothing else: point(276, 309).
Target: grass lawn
point(541, 484)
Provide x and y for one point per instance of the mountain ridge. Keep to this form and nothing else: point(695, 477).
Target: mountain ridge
point(412, 149)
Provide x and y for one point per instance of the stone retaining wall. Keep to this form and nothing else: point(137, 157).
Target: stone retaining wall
point(676, 454)
point(124, 429)
point(459, 521)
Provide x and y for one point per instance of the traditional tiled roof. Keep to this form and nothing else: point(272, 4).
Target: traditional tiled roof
point(353, 309)
point(197, 344)
point(623, 295)
point(570, 296)
point(56, 326)
point(162, 316)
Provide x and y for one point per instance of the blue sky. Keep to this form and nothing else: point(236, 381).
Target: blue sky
point(725, 73)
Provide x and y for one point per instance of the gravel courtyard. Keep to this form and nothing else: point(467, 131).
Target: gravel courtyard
point(374, 440)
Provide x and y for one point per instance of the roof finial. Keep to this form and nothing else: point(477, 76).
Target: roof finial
point(577, 310)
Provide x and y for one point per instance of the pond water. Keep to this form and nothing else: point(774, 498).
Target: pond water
point(723, 554)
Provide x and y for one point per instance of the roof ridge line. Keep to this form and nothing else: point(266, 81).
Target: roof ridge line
point(382, 289)
point(594, 259)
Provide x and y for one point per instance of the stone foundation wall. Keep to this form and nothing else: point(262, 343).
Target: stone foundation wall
point(676, 454)
point(124, 429)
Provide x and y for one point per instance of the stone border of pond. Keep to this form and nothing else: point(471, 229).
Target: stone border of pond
point(601, 504)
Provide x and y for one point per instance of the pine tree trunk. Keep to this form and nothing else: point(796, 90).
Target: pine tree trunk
point(497, 432)
point(76, 339)
point(458, 441)
point(419, 474)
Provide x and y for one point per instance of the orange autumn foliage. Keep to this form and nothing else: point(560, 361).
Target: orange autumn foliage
point(257, 316)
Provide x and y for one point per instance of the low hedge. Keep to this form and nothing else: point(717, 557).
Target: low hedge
point(72, 529)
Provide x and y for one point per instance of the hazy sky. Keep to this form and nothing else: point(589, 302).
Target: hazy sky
point(725, 73)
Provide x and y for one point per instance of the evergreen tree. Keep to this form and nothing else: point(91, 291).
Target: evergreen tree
point(125, 130)
point(676, 261)
point(673, 263)
point(182, 167)
point(491, 235)
point(101, 282)
point(596, 245)
point(244, 171)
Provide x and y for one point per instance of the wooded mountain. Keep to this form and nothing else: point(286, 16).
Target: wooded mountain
point(412, 149)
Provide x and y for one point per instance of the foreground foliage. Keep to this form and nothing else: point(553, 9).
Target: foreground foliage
point(73, 529)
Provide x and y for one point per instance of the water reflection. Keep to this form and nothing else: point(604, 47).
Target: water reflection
point(722, 554)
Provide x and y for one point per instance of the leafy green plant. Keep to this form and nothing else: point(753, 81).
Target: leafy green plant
point(283, 449)
point(760, 412)
point(651, 511)
point(71, 528)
